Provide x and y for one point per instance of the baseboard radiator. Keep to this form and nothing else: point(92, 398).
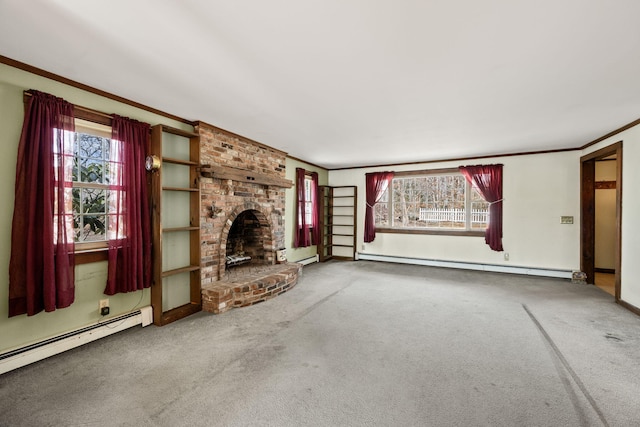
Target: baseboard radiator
point(544, 272)
point(309, 260)
point(23, 356)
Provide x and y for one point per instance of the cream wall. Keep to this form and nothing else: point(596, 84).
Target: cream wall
point(90, 278)
point(297, 254)
point(630, 271)
point(538, 189)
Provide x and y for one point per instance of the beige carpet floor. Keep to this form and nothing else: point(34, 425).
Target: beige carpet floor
point(357, 344)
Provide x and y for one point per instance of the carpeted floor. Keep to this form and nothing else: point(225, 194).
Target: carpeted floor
point(357, 344)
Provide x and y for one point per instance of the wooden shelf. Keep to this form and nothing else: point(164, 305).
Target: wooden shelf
point(180, 312)
point(179, 161)
point(179, 132)
point(243, 175)
point(172, 229)
point(175, 271)
point(180, 189)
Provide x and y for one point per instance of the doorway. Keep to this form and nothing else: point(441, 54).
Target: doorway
point(601, 217)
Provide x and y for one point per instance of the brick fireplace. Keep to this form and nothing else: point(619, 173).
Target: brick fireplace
point(242, 215)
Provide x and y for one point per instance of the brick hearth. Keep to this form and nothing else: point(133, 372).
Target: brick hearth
point(248, 285)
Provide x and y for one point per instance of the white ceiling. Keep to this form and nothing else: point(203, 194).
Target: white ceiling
point(354, 82)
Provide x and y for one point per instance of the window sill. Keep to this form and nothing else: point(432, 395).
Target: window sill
point(471, 233)
point(93, 255)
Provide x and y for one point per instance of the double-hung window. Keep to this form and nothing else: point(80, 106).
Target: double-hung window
point(308, 204)
point(436, 201)
point(94, 165)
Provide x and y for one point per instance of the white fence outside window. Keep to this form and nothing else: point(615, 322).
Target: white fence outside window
point(478, 216)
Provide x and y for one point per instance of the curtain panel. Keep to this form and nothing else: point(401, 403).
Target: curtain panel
point(376, 184)
point(129, 228)
point(41, 267)
point(487, 179)
point(315, 220)
point(306, 234)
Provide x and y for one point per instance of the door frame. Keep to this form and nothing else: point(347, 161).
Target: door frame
point(588, 213)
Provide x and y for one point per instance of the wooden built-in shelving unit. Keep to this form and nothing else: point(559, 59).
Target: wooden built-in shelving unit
point(175, 292)
point(324, 246)
point(338, 213)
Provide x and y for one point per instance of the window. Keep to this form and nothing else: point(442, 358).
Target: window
point(94, 161)
point(308, 202)
point(431, 200)
point(308, 197)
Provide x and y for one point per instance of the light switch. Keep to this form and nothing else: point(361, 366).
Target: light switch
point(566, 220)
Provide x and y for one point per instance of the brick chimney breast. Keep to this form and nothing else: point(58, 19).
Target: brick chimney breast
point(223, 200)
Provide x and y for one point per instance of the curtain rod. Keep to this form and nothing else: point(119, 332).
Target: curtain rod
point(83, 109)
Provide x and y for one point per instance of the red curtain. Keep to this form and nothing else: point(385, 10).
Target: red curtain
point(302, 239)
point(376, 184)
point(315, 221)
point(41, 268)
point(487, 179)
point(306, 234)
point(129, 231)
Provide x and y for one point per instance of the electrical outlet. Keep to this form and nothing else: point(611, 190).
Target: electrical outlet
point(104, 307)
point(506, 256)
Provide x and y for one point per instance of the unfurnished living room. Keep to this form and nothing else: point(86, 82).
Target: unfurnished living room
point(410, 213)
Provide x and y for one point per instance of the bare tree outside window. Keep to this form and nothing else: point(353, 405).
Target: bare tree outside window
point(90, 177)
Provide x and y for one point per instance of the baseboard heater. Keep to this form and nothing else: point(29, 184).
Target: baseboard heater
point(23, 356)
point(544, 272)
point(309, 260)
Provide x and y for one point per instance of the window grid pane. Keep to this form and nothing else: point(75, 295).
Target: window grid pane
point(479, 211)
point(381, 210)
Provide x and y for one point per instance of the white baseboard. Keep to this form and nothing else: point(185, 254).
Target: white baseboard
point(23, 356)
point(544, 272)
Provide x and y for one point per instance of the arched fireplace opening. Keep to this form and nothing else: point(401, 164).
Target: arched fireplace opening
point(248, 238)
